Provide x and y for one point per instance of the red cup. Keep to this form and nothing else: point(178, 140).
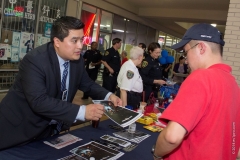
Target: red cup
point(95, 123)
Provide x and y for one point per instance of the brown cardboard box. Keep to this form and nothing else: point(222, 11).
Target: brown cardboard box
point(6, 37)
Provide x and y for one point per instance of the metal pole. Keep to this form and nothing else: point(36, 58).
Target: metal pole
point(79, 9)
point(37, 21)
point(1, 18)
point(98, 22)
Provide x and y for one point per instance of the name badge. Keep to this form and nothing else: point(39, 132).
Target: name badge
point(64, 95)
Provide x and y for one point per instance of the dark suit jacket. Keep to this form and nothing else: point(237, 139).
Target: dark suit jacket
point(35, 97)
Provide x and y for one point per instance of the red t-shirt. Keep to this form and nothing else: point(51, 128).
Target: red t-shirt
point(124, 60)
point(208, 107)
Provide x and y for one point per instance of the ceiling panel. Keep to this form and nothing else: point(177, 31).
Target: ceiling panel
point(175, 16)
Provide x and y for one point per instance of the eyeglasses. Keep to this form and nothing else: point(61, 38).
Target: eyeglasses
point(191, 48)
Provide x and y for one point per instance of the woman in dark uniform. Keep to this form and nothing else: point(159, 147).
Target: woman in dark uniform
point(151, 71)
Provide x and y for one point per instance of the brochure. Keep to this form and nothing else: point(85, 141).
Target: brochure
point(71, 157)
point(97, 151)
point(115, 140)
point(120, 115)
point(136, 137)
point(62, 141)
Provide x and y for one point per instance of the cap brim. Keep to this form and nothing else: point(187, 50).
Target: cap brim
point(179, 46)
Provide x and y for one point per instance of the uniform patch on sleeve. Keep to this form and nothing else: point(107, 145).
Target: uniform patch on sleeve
point(130, 74)
point(144, 64)
point(106, 53)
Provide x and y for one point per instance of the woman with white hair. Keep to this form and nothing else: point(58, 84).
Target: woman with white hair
point(130, 85)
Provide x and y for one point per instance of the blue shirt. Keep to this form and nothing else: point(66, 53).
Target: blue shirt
point(82, 109)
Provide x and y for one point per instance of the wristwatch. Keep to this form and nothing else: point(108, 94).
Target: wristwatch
point(153, 150)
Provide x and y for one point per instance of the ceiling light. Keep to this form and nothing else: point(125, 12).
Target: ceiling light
point(118, 30)
point(214, 25)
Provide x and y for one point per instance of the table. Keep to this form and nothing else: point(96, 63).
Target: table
point(39, 151)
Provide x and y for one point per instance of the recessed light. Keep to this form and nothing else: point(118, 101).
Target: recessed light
point(214, 25)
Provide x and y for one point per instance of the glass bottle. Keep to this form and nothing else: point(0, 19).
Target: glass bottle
point(156, 104)
point(170, 99)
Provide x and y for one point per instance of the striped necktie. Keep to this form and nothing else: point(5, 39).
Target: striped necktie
point(64, 76)
point(64, 92)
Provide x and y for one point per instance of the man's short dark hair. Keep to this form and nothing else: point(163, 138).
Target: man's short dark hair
point(116, 40)
point(181, 58)
point(93, 43)
point(61, 27)
point(143, 45)
point(216, 48)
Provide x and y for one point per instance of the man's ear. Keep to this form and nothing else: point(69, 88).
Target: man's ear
point(202, 47)
point(56, 41)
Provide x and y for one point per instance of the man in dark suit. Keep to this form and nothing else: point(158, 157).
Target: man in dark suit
point(39, 102)
point(93, 62)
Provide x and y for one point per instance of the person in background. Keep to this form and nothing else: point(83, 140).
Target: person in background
point(130, 84)
point(166, 68)
point(112, 63)
point(92, 59)
point(151, 71)
point(39, 103)
point(203, 120)
point(144, 47)
point(124, 57)
point(180, 67)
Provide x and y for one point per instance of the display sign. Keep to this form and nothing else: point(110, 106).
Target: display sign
point(3, 51)
point(15, 54)
point(16, 36)
point(28, 14)
point(26, 43)
point(45, 17)
point(17, 11)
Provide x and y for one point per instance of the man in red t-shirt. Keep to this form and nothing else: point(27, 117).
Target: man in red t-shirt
point(124, 57)
point(203, 121)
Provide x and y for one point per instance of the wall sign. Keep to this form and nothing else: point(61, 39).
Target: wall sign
point(45, 17)
point(28, 14)
point(18, 11)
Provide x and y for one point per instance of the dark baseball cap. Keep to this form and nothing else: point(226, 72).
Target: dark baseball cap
point(203, 32)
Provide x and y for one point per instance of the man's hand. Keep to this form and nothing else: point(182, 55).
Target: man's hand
point(115, 100)
point(161, 82)
point(111, 70)
point(94, 112)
